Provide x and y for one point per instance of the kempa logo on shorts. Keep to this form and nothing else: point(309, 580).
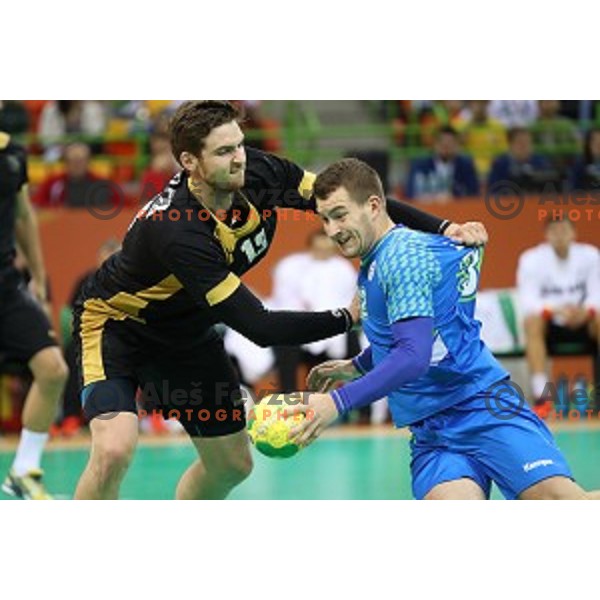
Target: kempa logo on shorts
point(545, 462)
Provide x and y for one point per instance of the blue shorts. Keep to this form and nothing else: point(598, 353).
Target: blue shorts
point(515, 449)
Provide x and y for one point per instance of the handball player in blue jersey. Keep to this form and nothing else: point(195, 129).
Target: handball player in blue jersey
point(417, 291)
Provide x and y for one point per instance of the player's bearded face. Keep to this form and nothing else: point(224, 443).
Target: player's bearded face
point(222, 163)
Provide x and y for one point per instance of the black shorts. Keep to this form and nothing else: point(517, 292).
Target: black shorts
point(24, 327)
point(125, 366)
point(562, 340)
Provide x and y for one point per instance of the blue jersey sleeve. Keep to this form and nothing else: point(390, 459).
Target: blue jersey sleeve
point(408, 273)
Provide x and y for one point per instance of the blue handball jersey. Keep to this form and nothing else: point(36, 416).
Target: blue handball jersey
point(411, 274)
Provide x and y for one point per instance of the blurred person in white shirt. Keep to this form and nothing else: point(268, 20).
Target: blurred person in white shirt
point(559, 298)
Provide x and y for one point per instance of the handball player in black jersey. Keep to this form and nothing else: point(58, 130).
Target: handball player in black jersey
point(26, 336)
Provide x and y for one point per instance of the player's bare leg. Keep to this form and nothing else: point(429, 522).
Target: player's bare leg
point(226, 461)
point(114, 439)
point(535, 350)
point(459, 489)
point(558, 488)
point(50, 374)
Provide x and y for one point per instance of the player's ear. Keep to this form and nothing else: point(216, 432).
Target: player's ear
point(188, 161)
point(376, 204)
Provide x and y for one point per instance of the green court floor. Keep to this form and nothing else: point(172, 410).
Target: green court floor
point(348, 467)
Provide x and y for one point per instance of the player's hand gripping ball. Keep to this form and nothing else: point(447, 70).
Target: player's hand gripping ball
point(269, 427)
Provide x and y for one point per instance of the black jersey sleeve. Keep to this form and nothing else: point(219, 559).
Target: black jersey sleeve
point(245, 313)
point(406, 214)
point(276, 182)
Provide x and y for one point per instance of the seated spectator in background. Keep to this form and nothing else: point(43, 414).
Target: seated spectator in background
point(161, 169)
point(520, 166)
point(483, 137)
point(514, 113)
point(14, 118)
point(77, 187)
point(585, 174)
point(433, 115)
point(558, 285)
point(445, 175)
point(554, 135)
point(317, 279)
point(62, 118)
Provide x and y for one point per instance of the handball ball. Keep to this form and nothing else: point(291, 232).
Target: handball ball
point(269, 428)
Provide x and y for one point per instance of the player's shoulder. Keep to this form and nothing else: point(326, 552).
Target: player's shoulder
point(264, 168)
point(403, 239)
point(537, 254)
point(9, 147)
point(405, 249)
point(586, 251)
point(174, 214)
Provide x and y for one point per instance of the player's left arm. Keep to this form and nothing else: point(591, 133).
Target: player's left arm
point(408, 360)
point(28, 238)
point(407, 279)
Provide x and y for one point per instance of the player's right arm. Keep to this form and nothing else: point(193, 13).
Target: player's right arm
point(199, 265)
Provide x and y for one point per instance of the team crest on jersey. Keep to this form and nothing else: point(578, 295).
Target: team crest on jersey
point(371, 271)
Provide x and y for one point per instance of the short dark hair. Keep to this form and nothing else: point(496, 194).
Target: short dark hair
point(194, 120)
point(356, 176)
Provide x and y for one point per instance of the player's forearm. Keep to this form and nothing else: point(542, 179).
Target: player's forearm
point(363, 363)
point(27, 235)
point(410, 216)
point(247, 315)
point(408, 361)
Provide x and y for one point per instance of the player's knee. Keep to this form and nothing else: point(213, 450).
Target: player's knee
point(53, 373)
point(237, 470)
point(112, 460)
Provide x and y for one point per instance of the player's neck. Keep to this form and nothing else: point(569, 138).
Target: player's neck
point(383, 228)
point(207, 196)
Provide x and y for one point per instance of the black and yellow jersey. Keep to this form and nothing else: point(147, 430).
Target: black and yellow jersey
point(13, 176)
point(178, 259)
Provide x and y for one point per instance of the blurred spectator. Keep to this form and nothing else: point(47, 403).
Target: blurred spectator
point(77, 186)
point(318, 279)
point(555, 136)
point(559, 297)
point(445, 175)
point(435, 115)
point(70, 420)
point(520, 166)
point(14, 118)
point(62, 118)
point(161, 169)
point(262, 133)
point(585, 174)
point(483, 137)
point(514, 113)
